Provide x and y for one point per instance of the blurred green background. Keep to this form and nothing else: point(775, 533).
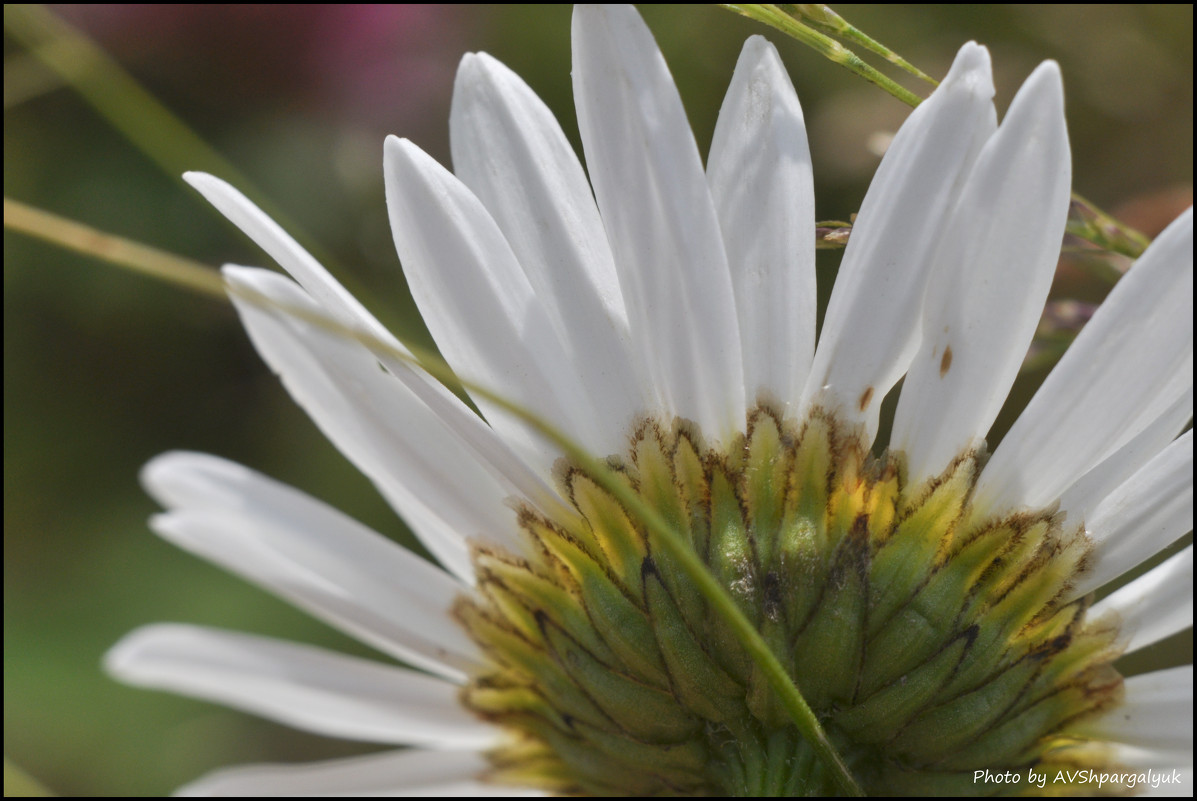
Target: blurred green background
point(103, 370)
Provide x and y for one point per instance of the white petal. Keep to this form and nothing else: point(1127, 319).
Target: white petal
point(314, 556)
point(269, 236)
point(344, 309)
point(1157, 713)
point(1079, 500)
point(509, 149)
point(301, 686)
point(1144, 515)
point(660, 220)
point(1133, 757)
point(433, 480)
point(989, 282)
point(1154, 606)
point(760, 176)
point(394, 773)
point(1128, 365)
point(872, 327)
point(479, 305)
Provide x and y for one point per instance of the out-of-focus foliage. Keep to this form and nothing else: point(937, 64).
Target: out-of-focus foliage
point(103, 370)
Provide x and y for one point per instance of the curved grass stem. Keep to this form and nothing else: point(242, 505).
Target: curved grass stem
point(823, 44)
point(821, 16)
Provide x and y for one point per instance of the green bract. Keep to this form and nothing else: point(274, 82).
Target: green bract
point(925, 634)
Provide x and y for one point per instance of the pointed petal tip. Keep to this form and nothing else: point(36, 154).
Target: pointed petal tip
point(757, 45)
point(1047, 69)
point(391, 144)
point(411, 174)
point(480, 78)
point(971, 56)
point(396, 157)
point(470, 70)
point(478, 63)
point(972, 68)
point(398, 150)
point(1037, 112)
point(1047, 80)
point(758, 51)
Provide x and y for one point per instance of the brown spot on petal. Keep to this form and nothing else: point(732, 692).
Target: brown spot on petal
point(865, 397)
point(945, 363)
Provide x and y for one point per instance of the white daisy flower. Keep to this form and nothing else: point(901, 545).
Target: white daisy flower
point(931, 603)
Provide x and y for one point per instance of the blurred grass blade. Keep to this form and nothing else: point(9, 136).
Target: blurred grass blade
point(113, 93)
point(117, 97)
point(822, 17)
point(19, 784)
point(823, 44)
point(122, 252)
point(26, 77)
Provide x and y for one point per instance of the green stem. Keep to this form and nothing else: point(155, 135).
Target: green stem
point(143, 259)
point(821, 43)
point(1088, 222)
point(821, 16)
